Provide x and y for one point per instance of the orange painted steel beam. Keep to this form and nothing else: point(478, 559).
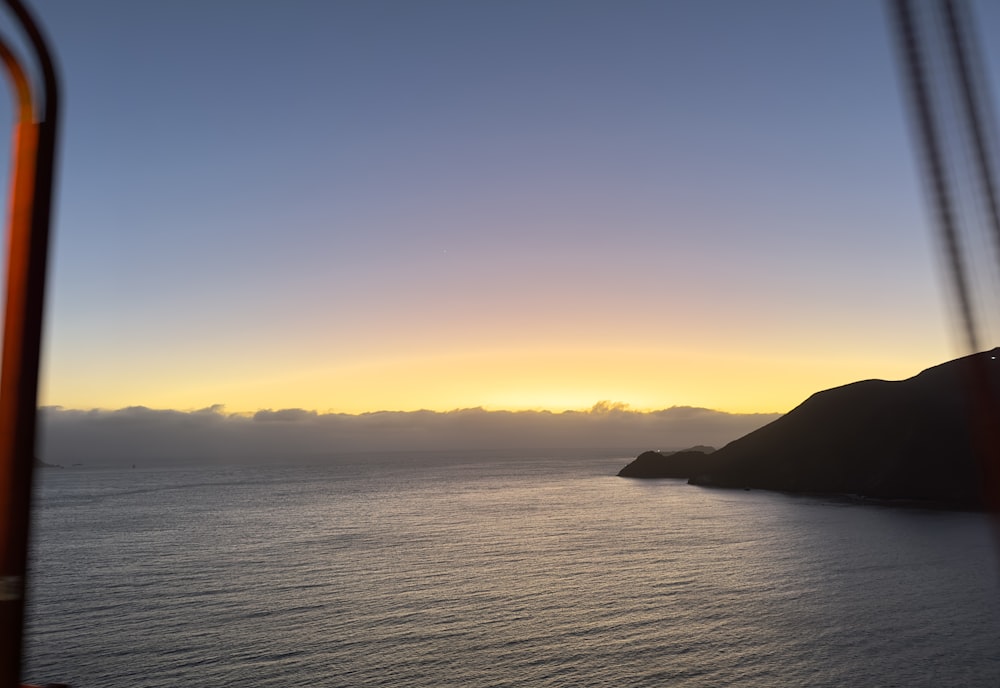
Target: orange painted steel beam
point(27, 256)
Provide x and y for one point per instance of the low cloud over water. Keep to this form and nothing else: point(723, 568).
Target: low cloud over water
point(143, 436)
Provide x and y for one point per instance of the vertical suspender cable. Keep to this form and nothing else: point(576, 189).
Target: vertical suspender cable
point(933, 157)
point(913, 50)
point(974, 98)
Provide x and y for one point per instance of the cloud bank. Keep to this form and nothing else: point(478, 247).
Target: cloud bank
point(146, 436)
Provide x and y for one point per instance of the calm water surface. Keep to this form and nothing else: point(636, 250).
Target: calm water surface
point(453, 572)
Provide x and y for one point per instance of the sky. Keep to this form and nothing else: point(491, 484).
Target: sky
point(361, 206)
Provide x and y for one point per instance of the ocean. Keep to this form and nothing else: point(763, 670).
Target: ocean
point(469, 570)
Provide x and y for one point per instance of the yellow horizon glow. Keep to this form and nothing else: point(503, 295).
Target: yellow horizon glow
point(645, 379)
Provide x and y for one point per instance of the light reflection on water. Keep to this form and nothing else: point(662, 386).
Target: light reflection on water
point(544, 573)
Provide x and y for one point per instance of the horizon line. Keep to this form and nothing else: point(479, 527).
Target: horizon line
point(602, 407)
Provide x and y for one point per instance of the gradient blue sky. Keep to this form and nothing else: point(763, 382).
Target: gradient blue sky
point(354, 206)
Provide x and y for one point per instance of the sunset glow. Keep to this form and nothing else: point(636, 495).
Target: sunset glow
point(620, 209)
point(644, 380)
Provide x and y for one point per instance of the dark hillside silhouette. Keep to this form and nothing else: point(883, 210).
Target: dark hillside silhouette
point(682, 464)
point(910, 439)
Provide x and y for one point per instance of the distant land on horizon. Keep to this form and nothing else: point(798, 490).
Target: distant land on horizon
point(905, 440)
